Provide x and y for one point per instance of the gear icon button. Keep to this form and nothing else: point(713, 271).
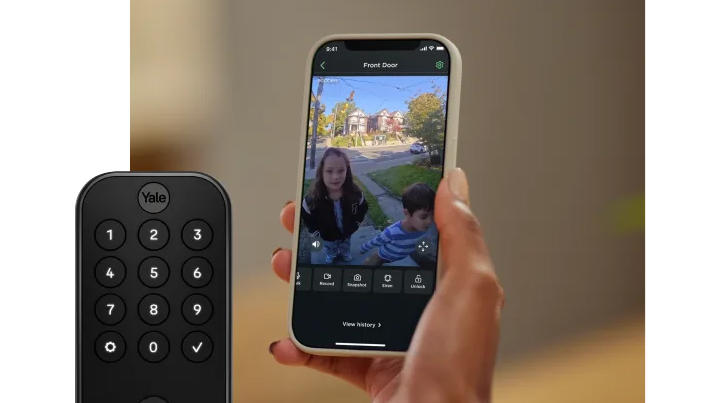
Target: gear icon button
point(110, 346)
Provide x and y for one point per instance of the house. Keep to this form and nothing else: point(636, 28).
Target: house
point(356, 122)
point(386, 122)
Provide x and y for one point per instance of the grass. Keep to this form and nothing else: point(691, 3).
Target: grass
point(397, 178)
point(380, 220)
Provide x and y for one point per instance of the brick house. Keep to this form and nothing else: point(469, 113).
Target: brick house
point(386, 122)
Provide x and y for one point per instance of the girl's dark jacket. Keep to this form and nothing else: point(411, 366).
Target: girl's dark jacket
point(322, 218)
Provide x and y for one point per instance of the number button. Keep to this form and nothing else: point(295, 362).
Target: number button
point(197, 272)
point(197, 309)
point(153, 347)
point(153, 272)
point(153, 234)
point(109, 346)
point(110, 309)
point(153, 309)
point(110, 272)
point(197, 347)
point(197, 234)
point(110, 234)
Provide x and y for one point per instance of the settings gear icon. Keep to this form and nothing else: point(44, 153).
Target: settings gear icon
point(110, 347)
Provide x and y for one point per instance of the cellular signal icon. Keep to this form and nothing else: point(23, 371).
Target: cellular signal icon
point(423, 49)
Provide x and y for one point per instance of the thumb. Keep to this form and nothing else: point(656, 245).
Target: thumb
point(462, 246)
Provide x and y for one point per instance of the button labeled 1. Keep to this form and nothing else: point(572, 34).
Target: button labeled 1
point(110, 234)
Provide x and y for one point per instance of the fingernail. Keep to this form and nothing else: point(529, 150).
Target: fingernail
point(271, 347)
point(458, 184)
point(275, 251)
point(290, 201)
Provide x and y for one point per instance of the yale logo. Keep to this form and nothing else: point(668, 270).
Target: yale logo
point(153, 197)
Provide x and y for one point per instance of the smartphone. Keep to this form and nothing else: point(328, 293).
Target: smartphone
point(378, 131)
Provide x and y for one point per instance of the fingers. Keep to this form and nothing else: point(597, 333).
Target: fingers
point(287, 216)
point(281, 263)
point(464, 312)
point(351, 369)
point(461, 243)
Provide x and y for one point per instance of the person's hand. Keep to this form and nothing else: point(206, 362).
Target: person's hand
point(452, 353)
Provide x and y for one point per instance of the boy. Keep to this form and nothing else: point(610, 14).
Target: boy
point(399, 239)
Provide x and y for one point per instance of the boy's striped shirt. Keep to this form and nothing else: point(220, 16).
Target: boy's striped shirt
point(393, 242)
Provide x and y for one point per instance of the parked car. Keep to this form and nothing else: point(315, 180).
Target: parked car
point(418, 148)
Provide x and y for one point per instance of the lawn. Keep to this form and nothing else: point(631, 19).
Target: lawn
point(397, 178)
point(380, 221)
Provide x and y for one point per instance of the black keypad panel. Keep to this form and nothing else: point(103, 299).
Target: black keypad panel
point(153, 289)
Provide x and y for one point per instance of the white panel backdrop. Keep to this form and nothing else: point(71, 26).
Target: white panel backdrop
point(64, 117)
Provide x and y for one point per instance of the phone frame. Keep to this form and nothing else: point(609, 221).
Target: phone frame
point(449, 161)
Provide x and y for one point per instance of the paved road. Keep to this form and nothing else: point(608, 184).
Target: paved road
point(369, 159)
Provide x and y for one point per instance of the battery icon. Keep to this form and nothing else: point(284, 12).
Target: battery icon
point(440, 48)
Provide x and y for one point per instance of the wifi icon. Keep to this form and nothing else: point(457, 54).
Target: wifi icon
point(431, 47)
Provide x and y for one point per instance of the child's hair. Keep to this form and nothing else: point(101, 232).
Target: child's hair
point(318, 191)
point(418, 197)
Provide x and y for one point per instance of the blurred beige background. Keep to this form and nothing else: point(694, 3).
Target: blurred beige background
point(551, 136)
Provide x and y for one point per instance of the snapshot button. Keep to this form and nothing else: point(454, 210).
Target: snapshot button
point(303, 279)
point(357, 280)
point(418, 282)
point(153, 197)
point(327, 279)
point(387, 281)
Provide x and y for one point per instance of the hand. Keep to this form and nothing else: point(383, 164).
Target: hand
point(452, 353)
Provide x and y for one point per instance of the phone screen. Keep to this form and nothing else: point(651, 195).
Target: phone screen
point(367, 247)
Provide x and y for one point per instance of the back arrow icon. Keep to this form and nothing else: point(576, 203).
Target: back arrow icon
point(322, 65)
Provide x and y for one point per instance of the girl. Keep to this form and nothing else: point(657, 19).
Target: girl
point(334, 206)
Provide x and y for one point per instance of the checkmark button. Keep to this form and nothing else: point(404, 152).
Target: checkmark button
point(197, 347)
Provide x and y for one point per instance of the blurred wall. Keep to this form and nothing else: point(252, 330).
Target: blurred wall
point(551, 137)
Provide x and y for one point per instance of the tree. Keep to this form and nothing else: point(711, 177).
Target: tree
point(322, 121)
point(426, 119)
point(341, 111)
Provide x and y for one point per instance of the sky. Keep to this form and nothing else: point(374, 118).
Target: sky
point(374, 93)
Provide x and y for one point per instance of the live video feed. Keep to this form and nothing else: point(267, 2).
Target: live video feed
point(374, 157)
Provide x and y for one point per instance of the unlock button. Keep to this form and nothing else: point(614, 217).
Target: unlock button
point(418, 282)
